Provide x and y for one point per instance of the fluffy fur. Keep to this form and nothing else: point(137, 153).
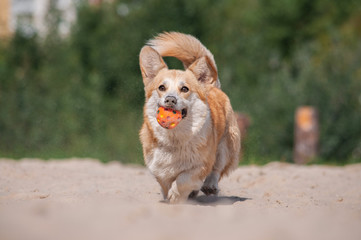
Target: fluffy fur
point(205, 145)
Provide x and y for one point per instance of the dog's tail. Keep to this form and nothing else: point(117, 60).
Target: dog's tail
point(183, 47)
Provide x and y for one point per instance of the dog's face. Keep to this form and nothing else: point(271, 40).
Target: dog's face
point(176, 89)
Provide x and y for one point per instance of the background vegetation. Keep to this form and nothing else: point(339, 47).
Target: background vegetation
point(82, 95)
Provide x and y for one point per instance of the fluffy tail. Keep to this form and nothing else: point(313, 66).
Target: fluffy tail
point(182, 46)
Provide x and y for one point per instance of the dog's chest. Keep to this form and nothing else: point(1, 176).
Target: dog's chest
point(169, 161)
point(179, 149)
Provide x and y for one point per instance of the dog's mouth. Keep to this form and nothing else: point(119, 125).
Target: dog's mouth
point(184, 113)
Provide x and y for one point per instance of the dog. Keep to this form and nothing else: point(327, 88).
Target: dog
point(205, 145)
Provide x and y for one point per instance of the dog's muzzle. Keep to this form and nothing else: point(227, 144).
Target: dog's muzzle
point(170, 101)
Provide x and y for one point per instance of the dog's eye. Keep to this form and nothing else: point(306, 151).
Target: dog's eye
point(161, 88)
point(184, 89)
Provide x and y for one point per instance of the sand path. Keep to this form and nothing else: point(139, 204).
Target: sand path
point(85, 199)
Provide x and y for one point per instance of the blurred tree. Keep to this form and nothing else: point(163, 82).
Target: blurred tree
point(82, 94)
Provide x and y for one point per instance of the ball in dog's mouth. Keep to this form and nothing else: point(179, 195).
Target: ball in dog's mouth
point(169, 118)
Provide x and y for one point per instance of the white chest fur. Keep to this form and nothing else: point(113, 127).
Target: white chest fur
point(177, 148)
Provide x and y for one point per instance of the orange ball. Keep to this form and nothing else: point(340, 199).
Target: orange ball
point(168, 118)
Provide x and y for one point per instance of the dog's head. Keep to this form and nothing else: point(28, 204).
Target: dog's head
point(175, 89)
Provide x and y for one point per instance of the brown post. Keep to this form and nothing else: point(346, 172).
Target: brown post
point(306, 135)
point(4, 18)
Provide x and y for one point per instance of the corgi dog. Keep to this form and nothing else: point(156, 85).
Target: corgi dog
point(205, 145)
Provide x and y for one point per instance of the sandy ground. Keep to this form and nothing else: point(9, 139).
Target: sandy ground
point(85, 199)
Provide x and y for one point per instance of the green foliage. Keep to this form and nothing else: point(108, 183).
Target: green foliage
point(82, 95)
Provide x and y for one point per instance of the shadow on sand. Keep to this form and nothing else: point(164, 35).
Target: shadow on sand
point(213, 200)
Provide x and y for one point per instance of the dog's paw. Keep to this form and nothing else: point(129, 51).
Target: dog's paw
point(208, 190)
point(193, 194)
point(210, 185)
point(173, 197)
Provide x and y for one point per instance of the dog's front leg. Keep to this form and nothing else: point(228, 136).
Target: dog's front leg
point(184, 184)
point(165, 185)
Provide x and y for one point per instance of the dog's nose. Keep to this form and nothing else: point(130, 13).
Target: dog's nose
point(170, 101)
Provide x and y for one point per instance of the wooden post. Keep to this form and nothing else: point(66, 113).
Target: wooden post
point(4, 18)
point(306, 135)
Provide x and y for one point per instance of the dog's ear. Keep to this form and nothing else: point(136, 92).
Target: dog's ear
point(204, 70)
point(150, 63)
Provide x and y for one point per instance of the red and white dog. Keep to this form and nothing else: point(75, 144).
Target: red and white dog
point(206, 143)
